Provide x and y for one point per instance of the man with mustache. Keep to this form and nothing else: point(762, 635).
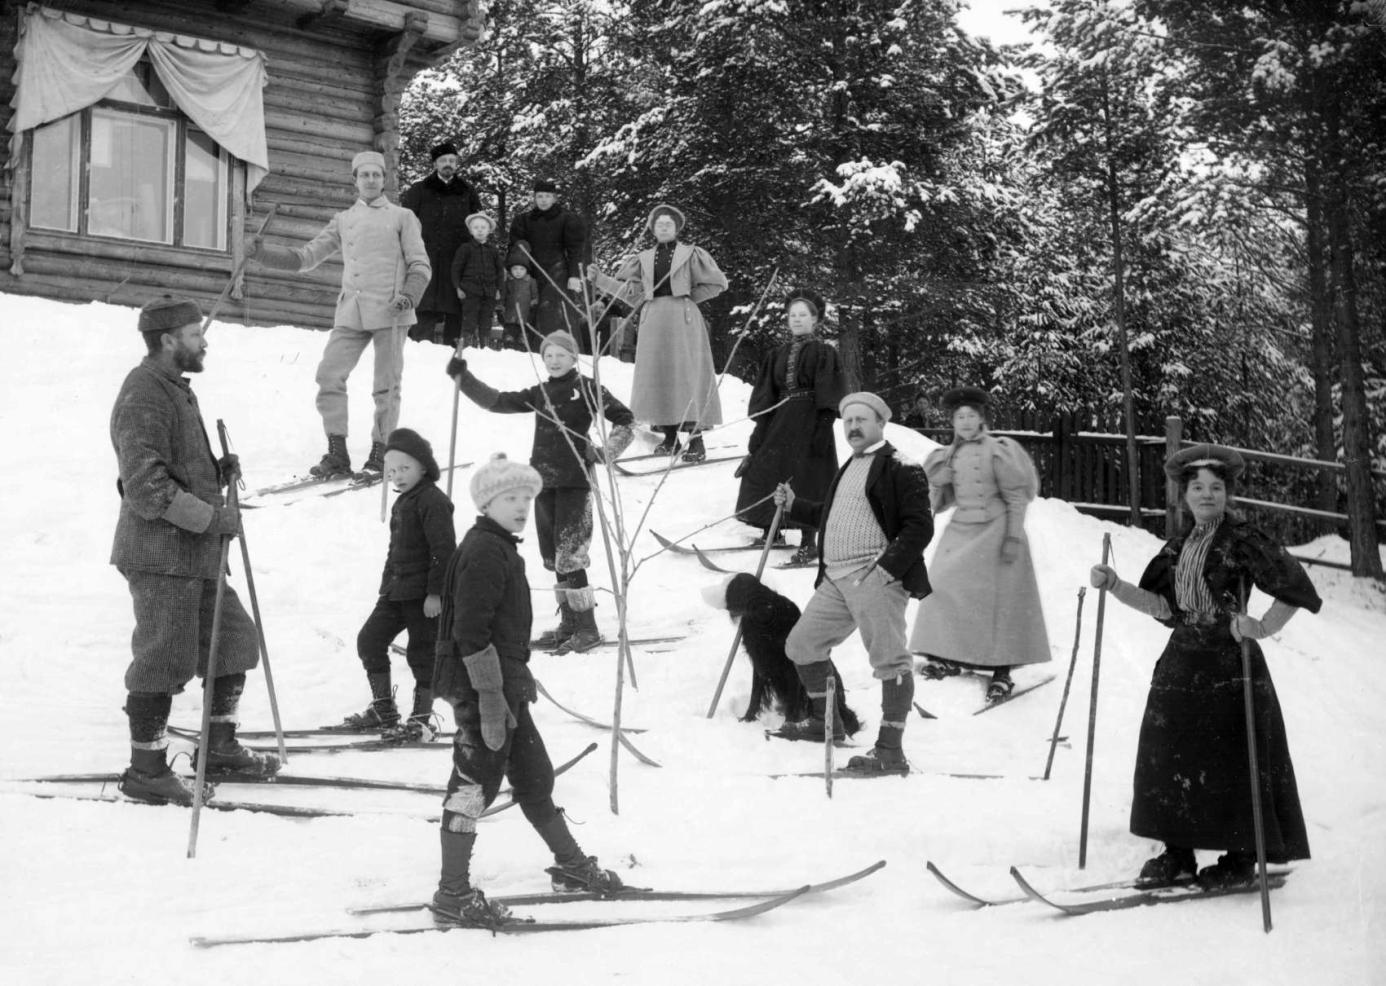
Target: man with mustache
point(168, 540)
point(874, 524)
point(442, 201)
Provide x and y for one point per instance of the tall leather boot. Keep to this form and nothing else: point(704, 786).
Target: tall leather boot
point(553, 638)
point(888, 755)
point(380, 714)
point(337, 461)
point(226, 757)
point(148, 778)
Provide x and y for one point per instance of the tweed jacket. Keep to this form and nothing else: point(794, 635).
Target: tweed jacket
point(898, 493)
point(383, 255)
point(169, 482)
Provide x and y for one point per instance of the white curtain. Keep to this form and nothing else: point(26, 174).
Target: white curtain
point(68, 61)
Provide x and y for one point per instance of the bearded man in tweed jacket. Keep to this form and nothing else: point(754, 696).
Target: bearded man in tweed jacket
point(168, 539)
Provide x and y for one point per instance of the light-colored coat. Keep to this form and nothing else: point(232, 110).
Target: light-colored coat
point(383, 256)
point(675, 380)
point(983, 611)
point(169, 482)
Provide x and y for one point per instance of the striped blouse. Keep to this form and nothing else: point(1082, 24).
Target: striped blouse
point(1191, 590)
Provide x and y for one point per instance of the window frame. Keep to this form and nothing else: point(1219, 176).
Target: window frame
point(227, 164)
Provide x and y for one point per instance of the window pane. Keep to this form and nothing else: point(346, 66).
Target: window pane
point(131, 177)
point(53, 199)
point(204, 193)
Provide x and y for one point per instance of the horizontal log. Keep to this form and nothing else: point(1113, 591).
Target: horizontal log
point(338, 131)
point(216, 264)
point(336, 106)
point(1299, 511)
point(1290, 460)
point(327, 151)
point(387, 15)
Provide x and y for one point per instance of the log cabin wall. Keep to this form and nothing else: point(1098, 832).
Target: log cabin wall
point(336, 70)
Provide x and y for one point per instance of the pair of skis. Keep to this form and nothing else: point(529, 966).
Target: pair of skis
point(1117, 896)
point(764, 901)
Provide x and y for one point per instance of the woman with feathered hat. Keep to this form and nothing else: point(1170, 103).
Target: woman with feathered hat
point(1192, 785)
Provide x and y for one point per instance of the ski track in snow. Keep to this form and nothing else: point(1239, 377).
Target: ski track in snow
point(103, 893)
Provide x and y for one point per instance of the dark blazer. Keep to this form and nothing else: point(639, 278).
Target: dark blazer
point(422, 540)
point(898, 493)
point(556, 237)
point(486, 601)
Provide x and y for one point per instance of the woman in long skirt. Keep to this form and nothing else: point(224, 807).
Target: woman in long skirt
point(1192, 781)
point(984, 613)
point(675, 385)
point(794, 403)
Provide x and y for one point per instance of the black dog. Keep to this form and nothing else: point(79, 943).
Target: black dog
point(766, 619)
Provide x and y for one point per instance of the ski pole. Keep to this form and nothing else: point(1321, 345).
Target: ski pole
point(1072, 664)
point(1092, 708)
point(736, 637)
point(236, 272)
point(234, 499)
point(456, 400)
point(829, 713)
point(209, 678)
point(1257, 817)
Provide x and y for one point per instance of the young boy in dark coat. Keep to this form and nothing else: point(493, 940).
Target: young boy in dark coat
point(563, 407)
point(519, 299)
point(421, 541)
point(478, 270)
point(482, 668)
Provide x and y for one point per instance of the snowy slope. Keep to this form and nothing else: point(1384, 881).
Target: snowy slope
point(103, 893)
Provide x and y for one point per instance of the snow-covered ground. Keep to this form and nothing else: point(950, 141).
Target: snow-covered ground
point(99, 893)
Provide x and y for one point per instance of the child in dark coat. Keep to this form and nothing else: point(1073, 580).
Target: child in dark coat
point(421, 541)
point(563, 407)
point(479, 273)
point(519, 299)
point(482, 668)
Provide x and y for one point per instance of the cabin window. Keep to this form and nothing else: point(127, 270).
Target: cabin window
point(131, 167)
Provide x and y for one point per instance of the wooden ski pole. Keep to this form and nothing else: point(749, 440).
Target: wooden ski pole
point(233, 498)
point(829, 713)
point(209, 678)
point(1257, 816)
point(736, 637)
point(456, 401)
point(1072, 664)
point(236, 272)
point(1092, 709)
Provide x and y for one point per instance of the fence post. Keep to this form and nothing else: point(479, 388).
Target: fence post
point(1174, 432)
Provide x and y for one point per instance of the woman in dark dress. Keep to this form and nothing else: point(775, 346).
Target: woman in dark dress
point(794, 442)
point(1192, 786)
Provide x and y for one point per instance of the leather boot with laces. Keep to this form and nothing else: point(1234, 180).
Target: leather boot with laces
point(1000, 687)
point(1174, 865)
point(1233, 869)
point(149, 779)
point(585, 634)
point(567, 622)
point(337, 462)
point(375, 462)
point(695, 452)
point(880, 760)
point(226, 757)
point(469, 910)
point(583, 875)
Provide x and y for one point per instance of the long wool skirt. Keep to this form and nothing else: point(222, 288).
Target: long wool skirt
point(1192, 785)
point(675, 380)
point(788, 455)
point(981, 612)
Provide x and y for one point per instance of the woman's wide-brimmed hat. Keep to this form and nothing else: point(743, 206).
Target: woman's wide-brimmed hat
point(809, 296)
point(1197, 456)
point(965, 397)
point(665, 210)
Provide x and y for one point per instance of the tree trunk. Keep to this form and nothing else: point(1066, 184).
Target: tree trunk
point(1321, 340)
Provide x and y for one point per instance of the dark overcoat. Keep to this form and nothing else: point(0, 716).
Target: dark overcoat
point(1192, 779)
point(898, 494)
point(422, 541)
point(795, 442)
point(442, 209)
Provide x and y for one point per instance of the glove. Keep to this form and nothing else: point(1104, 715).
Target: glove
point(1246, 627)
point(484, 671)
point(229, 465)
point(401, 303)
point(456, 367)
point(225, 520)
point(741, 467)
point(1272, 621)
point(1010, 551)
point(1103, 577)
point(594, 455)
point(575, 284)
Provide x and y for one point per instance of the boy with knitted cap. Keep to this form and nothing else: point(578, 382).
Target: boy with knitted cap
point(565, 406)
point(482, 669)
point(421, 542)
